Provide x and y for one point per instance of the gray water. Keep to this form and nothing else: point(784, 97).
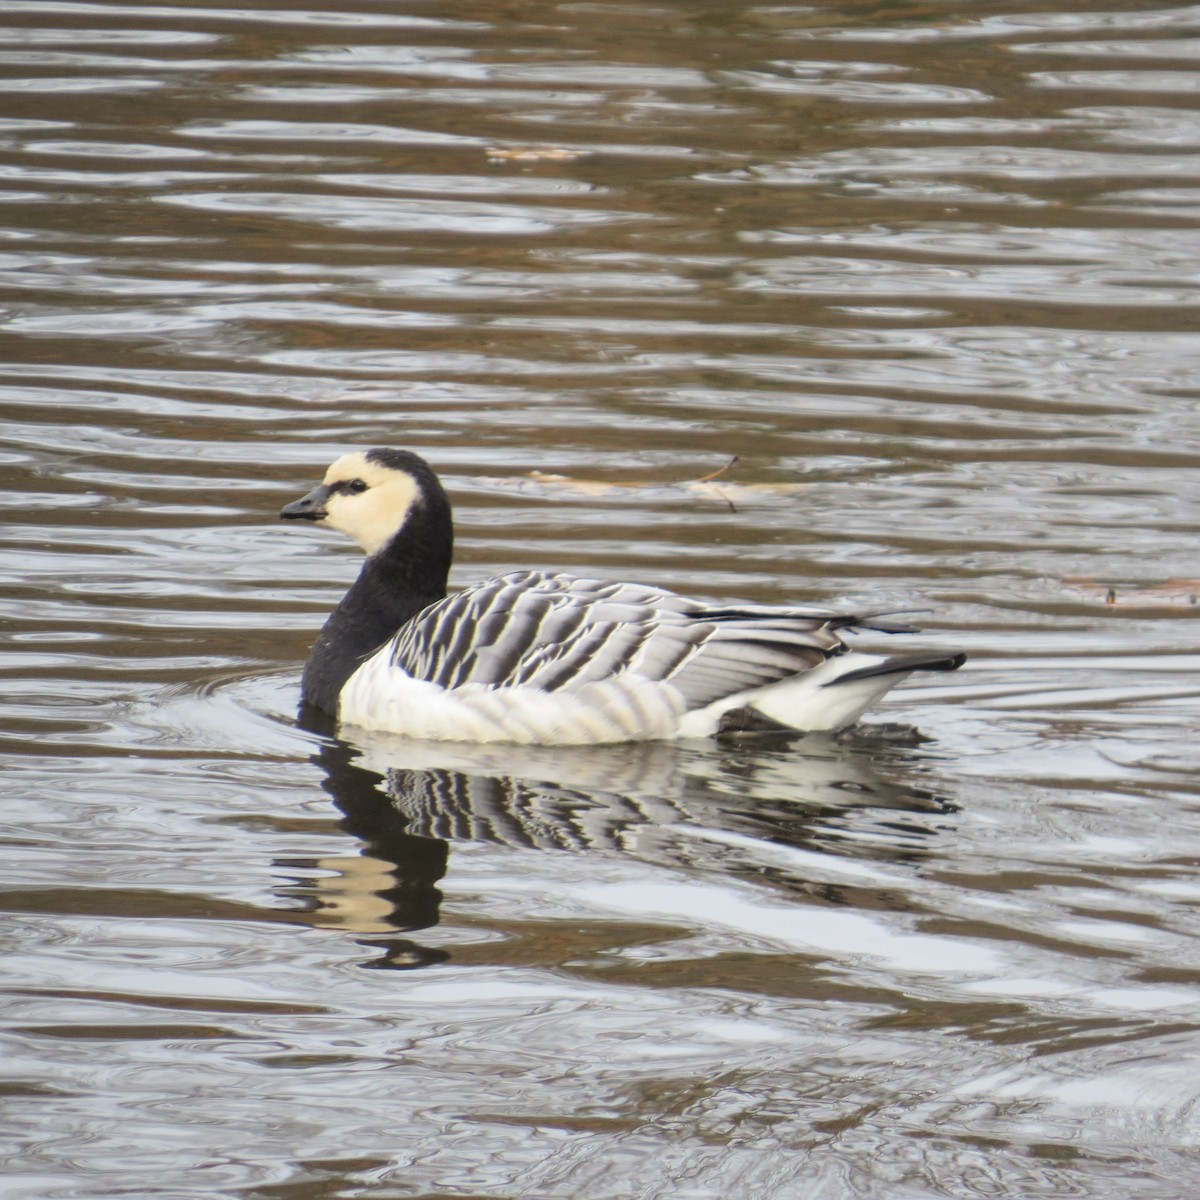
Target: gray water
point(928, 271)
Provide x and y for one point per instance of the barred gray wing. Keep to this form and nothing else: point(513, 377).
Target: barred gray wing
point(556, 632)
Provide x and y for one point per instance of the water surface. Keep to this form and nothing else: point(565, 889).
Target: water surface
point(928, 271)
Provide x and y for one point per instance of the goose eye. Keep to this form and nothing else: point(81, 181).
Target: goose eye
point(352, 487)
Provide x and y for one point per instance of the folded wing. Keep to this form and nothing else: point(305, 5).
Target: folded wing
point(558, 633)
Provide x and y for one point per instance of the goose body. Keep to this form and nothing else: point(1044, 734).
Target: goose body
point(550, 659)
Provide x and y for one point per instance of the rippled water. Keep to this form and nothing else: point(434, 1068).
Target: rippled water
point(928, 271)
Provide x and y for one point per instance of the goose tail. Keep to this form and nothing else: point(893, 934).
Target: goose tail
point(835, 694)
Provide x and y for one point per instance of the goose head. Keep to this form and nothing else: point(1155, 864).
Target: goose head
point(370, 495)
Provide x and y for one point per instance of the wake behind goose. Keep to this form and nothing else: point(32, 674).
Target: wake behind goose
point(550, 659)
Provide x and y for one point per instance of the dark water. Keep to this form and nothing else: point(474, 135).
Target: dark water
point(928, 270)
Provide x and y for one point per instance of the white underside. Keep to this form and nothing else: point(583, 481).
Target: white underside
point(626, 708)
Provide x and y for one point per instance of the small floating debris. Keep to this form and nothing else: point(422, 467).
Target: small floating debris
point(1172, 592)
point(499, 154)
point(707, 486)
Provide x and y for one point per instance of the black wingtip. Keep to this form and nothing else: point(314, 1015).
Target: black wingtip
point(901, 664)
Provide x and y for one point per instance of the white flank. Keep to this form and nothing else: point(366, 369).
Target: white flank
point(627, 707)
point(380, 695)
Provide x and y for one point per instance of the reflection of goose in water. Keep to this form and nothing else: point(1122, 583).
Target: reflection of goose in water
point(540, 659)
point(666, 802)
point(390, 885)
point(781, 818)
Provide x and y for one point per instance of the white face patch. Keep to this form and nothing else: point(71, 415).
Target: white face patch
point(374, 516)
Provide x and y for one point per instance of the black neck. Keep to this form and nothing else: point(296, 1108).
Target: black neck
point(407, 575)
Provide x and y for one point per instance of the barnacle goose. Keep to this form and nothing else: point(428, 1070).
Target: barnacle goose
point(549, 659)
